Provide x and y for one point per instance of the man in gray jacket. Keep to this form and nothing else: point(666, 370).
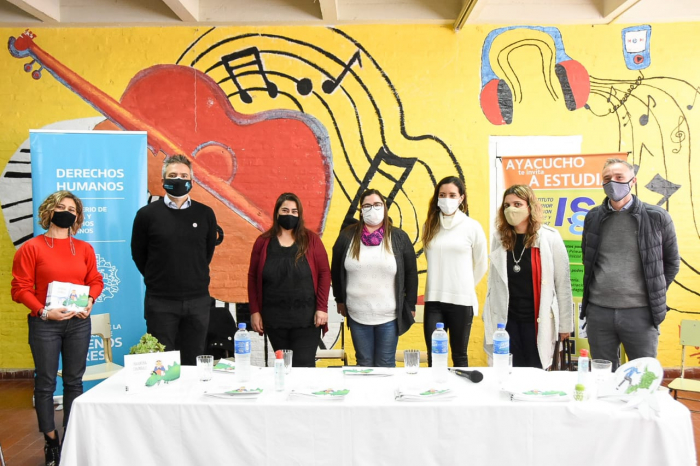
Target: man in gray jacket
point(630, 257)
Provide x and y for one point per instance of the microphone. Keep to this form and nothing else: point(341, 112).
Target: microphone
point(474, 376)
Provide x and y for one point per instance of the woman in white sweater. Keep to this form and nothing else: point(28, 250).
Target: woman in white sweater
point(455, 247)
point(529, 286)
point(375, 282)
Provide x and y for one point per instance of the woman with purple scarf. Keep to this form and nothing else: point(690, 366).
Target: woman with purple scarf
point(375, 282)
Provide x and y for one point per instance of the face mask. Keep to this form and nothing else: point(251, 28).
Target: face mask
point(177, 187)
point(448, 206)
point(515, 215)
point(617, 191)
point(374, 217)
point(288, 222)
point(63, 219)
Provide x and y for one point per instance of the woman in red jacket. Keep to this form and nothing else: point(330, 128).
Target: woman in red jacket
point(56, 256)
point(288, 283)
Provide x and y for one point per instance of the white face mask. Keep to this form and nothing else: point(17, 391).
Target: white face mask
point(515, 216)
point(448, 206)
point(373, 217)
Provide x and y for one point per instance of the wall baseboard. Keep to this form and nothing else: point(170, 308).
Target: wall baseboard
point(675, 372)
point(6, 374)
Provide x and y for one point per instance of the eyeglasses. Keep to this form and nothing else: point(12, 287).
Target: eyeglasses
point(368, 207)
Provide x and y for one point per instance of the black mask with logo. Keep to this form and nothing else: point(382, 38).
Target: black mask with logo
point(177, 187)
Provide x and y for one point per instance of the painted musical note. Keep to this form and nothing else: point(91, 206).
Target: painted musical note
point(383, 155)
point(612, 93)
point(257, 62)
point(691, 106)
point(678, 135)
point(304, 86)
point(644, 119)
point(626, 118)
point(331, 85)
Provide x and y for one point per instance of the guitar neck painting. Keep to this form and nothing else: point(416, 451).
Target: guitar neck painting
point(186, 112)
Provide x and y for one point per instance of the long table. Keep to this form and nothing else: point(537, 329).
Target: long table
point(178, 425)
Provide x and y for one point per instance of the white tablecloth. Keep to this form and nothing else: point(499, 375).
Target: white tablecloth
point(178, 425)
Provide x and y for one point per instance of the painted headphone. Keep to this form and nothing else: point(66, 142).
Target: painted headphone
point(496, 96)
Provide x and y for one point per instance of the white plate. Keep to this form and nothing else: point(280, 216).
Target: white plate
point(637, 377)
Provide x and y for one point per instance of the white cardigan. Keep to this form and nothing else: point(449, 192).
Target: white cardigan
point(556, 303)
point(457, 261)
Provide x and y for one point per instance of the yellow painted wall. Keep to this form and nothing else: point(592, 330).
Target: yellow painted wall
point(436, 75)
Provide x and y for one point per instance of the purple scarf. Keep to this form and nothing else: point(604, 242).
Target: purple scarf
point(372, 239)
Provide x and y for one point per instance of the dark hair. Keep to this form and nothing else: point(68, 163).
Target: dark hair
point(506, 231)
point(360, 226)
point(432, 222)
point(301, 237)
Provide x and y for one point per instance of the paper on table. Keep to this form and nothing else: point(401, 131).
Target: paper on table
point(428, 394)
point(328, 394)
point(237, 394)
point(224, 365)
point(539, 395)
point(538, 385)
point(369, 372)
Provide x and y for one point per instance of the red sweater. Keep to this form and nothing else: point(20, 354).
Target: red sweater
point(318, 262)
point(36, 265)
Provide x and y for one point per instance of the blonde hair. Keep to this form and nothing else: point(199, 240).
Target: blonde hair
point(49, 206)
point(506, 231)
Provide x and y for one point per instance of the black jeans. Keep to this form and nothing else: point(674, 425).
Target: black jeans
point(179, 325)
point(48, 339)
point(523, 344)
point(458, 320)
point(303, 341)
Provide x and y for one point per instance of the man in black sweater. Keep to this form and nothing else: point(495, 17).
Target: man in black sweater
point(172, 244)
point(630, 257)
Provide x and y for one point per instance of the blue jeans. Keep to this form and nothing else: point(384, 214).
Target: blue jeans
point(48, 339)
point(375, 345)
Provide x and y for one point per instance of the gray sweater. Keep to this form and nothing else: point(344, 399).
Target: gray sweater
point(658, 250)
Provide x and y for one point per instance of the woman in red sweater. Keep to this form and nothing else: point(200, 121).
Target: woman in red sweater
point(56, 256)
point(288, 283)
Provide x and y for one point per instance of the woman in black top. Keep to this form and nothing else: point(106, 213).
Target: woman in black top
point(529, 287)
point(288, 283)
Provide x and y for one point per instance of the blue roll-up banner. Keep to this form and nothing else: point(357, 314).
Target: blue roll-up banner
point(107, 170)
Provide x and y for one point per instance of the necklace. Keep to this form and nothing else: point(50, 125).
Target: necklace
point(72, 246)
point(516, 267)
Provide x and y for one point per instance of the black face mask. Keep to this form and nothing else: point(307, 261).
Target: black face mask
point(63, 219)
point(288, 222)
point(177, 187)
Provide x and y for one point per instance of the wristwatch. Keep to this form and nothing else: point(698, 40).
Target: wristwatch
point(43, 313)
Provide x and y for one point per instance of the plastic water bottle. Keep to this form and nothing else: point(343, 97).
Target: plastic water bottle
point(439, 353)
point(501, 353)
point(242, 343)
point(583, 364)
point(279, 370)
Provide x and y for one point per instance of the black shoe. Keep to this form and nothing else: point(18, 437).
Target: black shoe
point(52, 450)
